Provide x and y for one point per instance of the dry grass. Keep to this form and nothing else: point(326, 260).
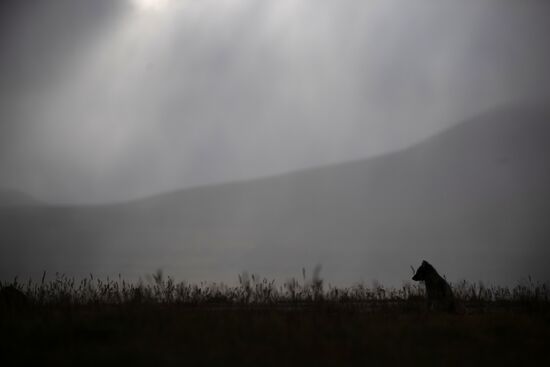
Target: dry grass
point(258, 322)
point(254, 290)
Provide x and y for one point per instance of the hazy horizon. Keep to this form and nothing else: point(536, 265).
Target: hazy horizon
point(24, 195)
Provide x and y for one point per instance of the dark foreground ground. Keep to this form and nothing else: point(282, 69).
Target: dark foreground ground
point(153, 335)
point(64, 322)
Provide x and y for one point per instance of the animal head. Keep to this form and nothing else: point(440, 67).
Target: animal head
point(424, 271)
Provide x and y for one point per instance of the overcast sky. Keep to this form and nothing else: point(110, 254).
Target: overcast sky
point(105, 100)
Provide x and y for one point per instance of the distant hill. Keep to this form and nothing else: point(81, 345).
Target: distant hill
point(13, 198)
point(473, 200)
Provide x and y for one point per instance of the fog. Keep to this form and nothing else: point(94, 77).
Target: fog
point(113, 100)
point(210, 137)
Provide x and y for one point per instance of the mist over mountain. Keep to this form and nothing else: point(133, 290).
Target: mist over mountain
point(116, 100)
point(476, 194)
point(13, 198)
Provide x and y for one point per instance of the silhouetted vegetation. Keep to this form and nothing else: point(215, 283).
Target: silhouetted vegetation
point(159, 321)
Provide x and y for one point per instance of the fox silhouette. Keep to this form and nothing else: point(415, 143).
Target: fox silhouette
point(439, 293)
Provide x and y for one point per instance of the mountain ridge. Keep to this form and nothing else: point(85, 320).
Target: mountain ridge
point(477, 190)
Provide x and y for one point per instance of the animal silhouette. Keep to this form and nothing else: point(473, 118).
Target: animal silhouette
point(438, 291)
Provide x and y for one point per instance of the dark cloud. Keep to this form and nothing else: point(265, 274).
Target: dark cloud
point(40, 42)
point(40, 39)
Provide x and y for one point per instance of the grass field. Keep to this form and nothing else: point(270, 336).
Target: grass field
point(161, 322)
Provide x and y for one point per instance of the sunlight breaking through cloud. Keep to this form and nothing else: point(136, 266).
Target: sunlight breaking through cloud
point(151, 5)
point(181, 93)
